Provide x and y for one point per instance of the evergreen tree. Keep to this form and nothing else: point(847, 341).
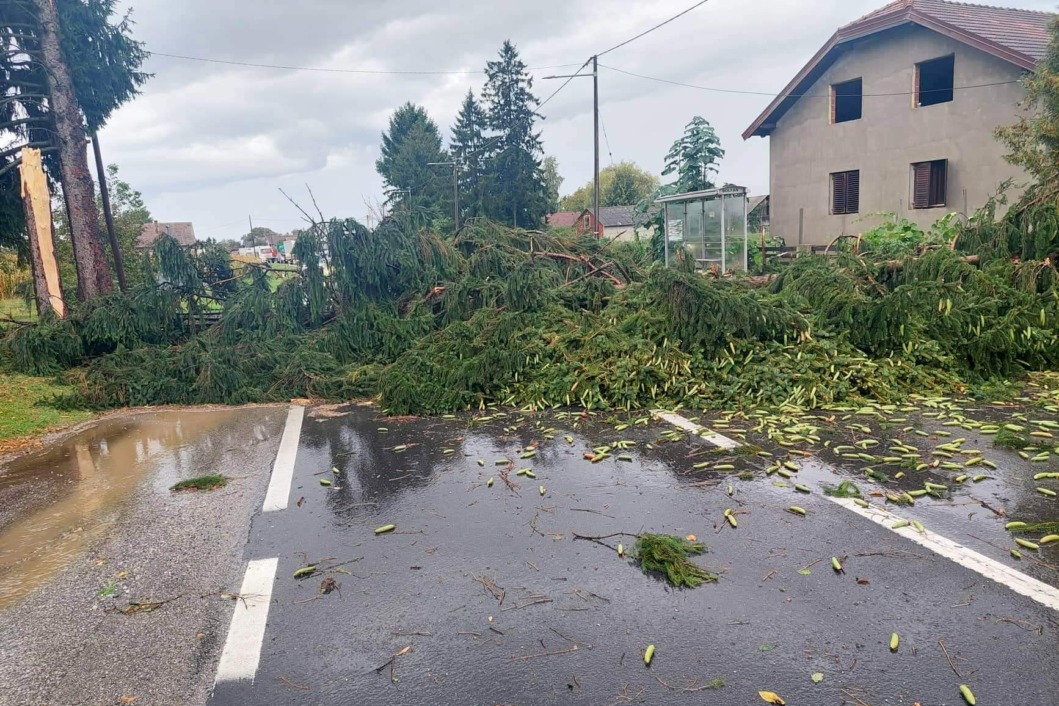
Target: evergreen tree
point(694, 156)
point(415, 189)
point(515, 179)
point(553, 181)
point(1034, 140)
point(469, 148)
point(65, 68)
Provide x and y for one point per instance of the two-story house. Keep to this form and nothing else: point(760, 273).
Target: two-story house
point(897, 114)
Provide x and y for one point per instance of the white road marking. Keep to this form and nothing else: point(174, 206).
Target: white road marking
point(283, 469)
point(242, 649)
point(1017, 581)
point(990, 568)
point(689, 426)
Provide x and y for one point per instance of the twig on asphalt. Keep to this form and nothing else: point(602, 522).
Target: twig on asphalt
point(597, 512)
point(946, 653)
point(811, 564)
point(533, 601)
point(551, 653)
point(293, 684)
point(855, 699)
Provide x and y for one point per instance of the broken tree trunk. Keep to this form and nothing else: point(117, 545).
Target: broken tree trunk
point(93, 273)
point(36, 202)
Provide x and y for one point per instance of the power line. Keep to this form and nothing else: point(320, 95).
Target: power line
point(318, 69)
point(565, 83)
point(791, 95)
point(606, 139)
point(646, 32)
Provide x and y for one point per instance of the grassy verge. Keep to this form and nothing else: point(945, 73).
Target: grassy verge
point(25, 412)
point(17, 309)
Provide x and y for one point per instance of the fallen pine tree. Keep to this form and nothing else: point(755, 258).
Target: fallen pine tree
point(497, 315)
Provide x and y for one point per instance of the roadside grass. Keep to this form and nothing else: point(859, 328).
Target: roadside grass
point(16, 308)
point(201, 483)
point(25, 409)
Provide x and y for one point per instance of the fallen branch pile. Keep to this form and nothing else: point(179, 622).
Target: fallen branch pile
point(497, 315)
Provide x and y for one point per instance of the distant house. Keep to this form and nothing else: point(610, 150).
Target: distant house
point(183, 233)
point(758, 213)
point(617, 222)
point(562, 219)
point(897, 113)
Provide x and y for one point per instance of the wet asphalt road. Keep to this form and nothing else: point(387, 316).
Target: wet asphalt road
point(98, 530)
point(500, 604)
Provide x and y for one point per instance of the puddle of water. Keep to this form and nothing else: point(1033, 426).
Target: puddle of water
point(56, 501)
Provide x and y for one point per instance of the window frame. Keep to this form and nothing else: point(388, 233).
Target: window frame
point(936, 188)
point(845, 178)
point(835, 96)
point(917, 101)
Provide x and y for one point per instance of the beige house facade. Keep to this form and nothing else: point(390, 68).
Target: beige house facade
point(897, 114)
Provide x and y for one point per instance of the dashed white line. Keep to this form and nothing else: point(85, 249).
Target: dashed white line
point(283, 469)
point(242, 649)
point(1017, 581)
point(689, 426)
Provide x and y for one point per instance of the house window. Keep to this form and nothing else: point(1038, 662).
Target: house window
point(928, 183)
point(934, 81)
point(846, 100)
point(845, 192)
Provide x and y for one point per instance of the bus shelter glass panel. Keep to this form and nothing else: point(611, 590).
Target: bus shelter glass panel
point(693, 231)
point(713, 235)
point(735, 235)
point(674, 231)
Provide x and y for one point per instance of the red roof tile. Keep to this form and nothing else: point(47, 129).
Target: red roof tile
point(563, 219)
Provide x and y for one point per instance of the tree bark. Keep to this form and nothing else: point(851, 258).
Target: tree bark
point(93, 274)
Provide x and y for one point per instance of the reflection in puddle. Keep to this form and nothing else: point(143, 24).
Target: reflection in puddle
point(53, 503)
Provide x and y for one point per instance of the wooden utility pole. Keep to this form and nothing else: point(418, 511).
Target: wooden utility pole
point(36, 202)
point(595, 116)
point(595, 125)
point(93, 273)
point(108, 215)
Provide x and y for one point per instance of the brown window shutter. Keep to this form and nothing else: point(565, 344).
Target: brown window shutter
point(921, 185)
point(853, 192)
point(838, 193)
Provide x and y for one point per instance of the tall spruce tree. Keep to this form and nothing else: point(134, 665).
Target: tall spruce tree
point(415, 188)
point(67, 65)
point(469, 147)
point(516, 184)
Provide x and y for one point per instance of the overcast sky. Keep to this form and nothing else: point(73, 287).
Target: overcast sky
point(212, 143)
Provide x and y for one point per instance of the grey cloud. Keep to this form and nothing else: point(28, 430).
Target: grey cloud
point(212, 143)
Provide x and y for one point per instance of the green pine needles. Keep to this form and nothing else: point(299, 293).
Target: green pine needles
point(668, 555)
point(496, 315)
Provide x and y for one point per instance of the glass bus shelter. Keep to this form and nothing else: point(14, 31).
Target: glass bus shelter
point(707, 226)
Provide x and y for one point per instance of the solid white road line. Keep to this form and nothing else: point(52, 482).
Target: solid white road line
point(968, 558)
point(283, 469)
point(1017, 581)
point(242, 649)
point(689, 426)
